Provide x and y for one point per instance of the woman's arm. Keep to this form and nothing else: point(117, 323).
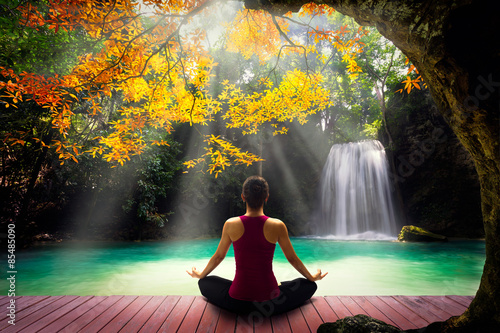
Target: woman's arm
point(219, 255)
point(291, 256)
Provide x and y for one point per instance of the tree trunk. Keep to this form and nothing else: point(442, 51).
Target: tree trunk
point(455, 46)
point(23, 219)
point(31, 184)
point(381, 98)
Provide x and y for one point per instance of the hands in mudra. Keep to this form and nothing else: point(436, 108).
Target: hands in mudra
point(318, 275)
point(197, 274)
point(194, 273)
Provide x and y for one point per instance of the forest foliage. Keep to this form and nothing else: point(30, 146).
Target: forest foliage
point(116, 80)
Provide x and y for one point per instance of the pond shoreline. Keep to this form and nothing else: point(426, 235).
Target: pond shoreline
point(72, 240)
point(68, 239)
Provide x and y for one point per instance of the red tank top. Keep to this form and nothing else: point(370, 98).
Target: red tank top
point(254, 279)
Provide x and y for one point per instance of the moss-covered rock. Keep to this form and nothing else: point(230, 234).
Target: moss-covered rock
point(357, 324)
point(410, 233)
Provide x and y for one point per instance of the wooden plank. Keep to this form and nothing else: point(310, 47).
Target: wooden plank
point(35, 316)
point(91, 314)
point(190, 324)
point(280, 324)
point(351, 305)
point(430, 312)
point(463, 300)
point(176, 316)
point(27, 305)
point(6, 300)
point(4, 320)
point(297, 321)
point(338, 307)
point(109, 314)
point(311, 315)
point(406, 312)
point(160, 314)
point(25, 302)
point(263, 326)
point(371, 310)
point(227, 322)
point(194, 314)
point(441, 311)
point(244, 324)
point(71, 316)
point(398, 320)
point(142, 316)
point(209, 320)
point(445, 304)
point(55, 315)
point(324, 310)
point(254, 321)
point(122, 318)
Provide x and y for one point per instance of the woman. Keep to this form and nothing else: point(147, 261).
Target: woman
point(254, 237)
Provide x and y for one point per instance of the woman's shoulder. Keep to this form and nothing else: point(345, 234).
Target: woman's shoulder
point(274, 229)
point(277, 223)
point(234, 228)
point(233, 220)
point(274, 220)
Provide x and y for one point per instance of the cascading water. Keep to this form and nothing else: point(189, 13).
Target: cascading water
point(355, 193)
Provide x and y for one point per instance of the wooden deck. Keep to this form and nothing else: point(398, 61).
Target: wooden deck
point(193, 314)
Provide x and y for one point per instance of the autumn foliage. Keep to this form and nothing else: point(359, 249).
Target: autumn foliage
point(412, 83)
point(162, 72)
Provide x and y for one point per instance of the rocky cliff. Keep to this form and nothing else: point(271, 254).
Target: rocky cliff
point(439, 186)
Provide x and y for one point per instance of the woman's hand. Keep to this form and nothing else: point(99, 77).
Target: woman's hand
point(318, 276)
point(220, 253)
point(195, 273)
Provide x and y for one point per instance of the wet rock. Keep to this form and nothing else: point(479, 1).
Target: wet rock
point(46, 238)
point(358, 324)
point(411, 233)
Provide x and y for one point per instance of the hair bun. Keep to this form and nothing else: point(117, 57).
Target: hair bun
point(255, 191)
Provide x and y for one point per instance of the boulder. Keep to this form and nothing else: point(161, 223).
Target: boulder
point(411, 233)
point(46, 238)
point(357, 324)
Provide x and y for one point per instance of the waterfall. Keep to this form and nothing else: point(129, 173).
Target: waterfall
point(355, 199)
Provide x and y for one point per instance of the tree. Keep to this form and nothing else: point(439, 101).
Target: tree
point(161, 73)
point(455, 48)
point(352, 104)
point(39, 56)
point(380, 71)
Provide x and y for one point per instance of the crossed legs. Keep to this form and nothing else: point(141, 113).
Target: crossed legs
point(292, 294)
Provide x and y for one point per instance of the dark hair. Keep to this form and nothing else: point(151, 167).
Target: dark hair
point(255, 191)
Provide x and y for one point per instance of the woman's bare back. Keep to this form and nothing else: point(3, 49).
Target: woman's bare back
point(271, 229)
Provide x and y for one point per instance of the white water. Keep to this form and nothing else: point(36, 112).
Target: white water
point(355, 197)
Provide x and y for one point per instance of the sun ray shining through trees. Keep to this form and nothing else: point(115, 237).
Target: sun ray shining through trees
point(128, 75)
point(121, 77)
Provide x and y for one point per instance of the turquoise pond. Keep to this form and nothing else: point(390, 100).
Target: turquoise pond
point(159, 268)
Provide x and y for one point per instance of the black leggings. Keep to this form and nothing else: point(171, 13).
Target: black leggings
point(292, 295)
